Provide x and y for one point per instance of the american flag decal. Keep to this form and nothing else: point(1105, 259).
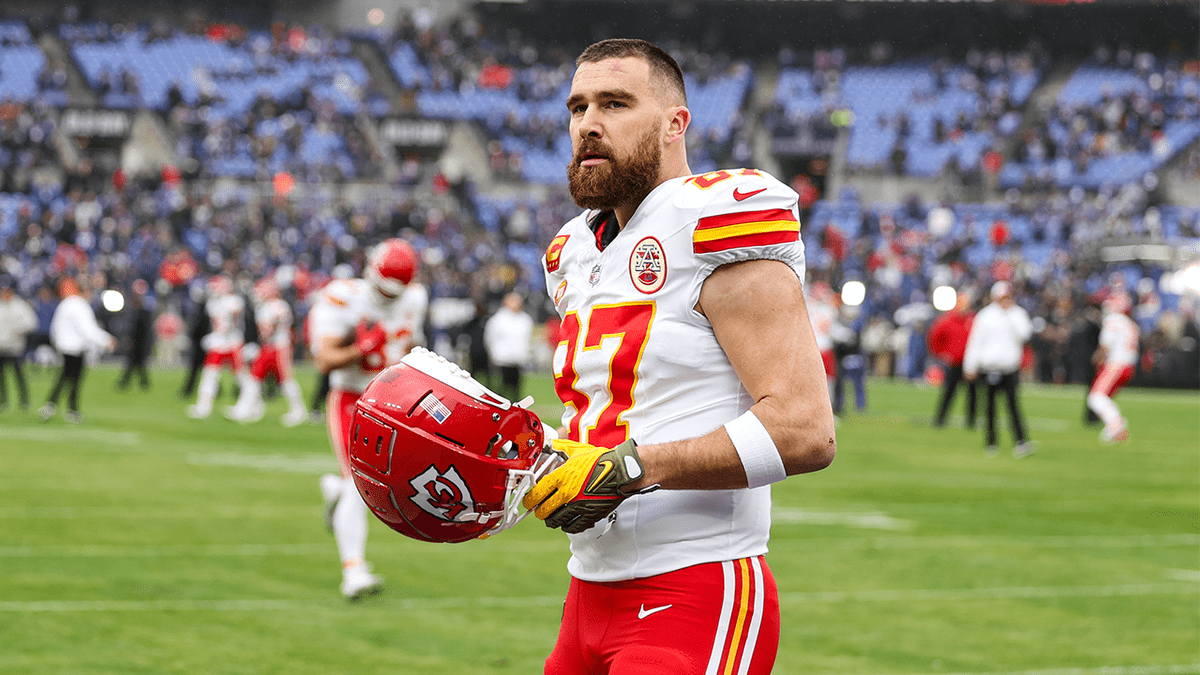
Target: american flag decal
point(747, 228)
point(436, 409)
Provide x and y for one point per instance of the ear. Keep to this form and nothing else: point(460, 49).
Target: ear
point(678, 120)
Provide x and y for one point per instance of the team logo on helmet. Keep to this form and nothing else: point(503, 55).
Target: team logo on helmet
point(554, 251)
point(443, 495)
point(648, 266)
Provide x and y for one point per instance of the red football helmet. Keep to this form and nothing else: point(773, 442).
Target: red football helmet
point(391, 267)
point(439, 457)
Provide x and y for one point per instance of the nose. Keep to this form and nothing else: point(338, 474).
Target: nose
point(589, 124)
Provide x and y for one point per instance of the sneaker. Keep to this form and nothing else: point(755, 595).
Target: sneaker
point(198, 413)
point(1024, 449)
point(47, 411)
point(991, 451)
point(73, 417)
point(359, 583)
point(331, 492)
point(294, 418)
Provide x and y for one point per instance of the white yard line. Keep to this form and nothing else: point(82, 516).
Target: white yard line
point(429, 604)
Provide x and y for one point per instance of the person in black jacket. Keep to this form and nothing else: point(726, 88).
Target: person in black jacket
point(140, 338)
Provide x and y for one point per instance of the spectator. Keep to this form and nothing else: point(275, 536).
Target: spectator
point(139, 339)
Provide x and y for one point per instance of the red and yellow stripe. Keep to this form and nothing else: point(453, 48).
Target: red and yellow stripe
point(740, 620)
point(744, 229)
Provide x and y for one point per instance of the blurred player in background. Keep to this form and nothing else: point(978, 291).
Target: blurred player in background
point(1115, 359)
point(823, 315)
point(222, 345)
point(17, 320)
point(139, 336)
point(686, 363)
point(76, 335)
point(358, 327)
point(274, 319)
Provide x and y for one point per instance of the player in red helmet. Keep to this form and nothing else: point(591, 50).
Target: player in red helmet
point(273, 316)
point(1116, 357)
point(357, 328)
point(223, 344)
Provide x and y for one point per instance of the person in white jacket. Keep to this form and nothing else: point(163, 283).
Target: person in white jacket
point(995, 346)
point(507, 337)
point(17, 320)
point(75, 333)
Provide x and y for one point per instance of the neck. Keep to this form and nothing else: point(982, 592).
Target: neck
point(669, 171)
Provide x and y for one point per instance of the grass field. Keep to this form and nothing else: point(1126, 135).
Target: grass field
point(145, 542)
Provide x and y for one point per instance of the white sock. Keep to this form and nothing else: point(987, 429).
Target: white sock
point(1105, 409)
point(291, 391)
point(250, 396)
point(350, 523)
point(206, 391)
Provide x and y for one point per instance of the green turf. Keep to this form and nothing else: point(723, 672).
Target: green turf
point(145, 542)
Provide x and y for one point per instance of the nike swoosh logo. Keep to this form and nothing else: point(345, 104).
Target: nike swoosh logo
point(742, 196)
point(643, 612)
point(605, 468)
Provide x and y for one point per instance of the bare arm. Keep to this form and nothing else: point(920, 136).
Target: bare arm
point(332, 353)
point(758, 313)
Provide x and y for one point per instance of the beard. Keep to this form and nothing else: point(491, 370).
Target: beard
point(617, 181)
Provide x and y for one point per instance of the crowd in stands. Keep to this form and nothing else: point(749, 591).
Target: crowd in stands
point(287, 101)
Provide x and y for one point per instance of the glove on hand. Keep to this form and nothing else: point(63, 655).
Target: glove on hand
point(370, 339)
point(587, 487)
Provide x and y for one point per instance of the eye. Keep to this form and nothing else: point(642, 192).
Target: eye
point(616, 104)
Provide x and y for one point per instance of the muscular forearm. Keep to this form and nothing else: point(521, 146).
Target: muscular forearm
point(711, 462)
point(330, 356)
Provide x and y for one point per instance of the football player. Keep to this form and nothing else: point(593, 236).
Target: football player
point(222, 345)
point(822, 305)
point(357, 328)
point(274, 319)
point(686, 363)
point(1116, 356)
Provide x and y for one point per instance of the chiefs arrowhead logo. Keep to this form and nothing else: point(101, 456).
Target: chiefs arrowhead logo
point(648, 266)
point(443, 495)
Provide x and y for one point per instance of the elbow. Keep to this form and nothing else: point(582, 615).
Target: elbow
point(813, 448)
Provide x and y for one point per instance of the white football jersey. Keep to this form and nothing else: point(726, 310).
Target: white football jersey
point(345, 302)
point(274, 319)
point(1119, 337)
point(636, 360)
point(225, 313)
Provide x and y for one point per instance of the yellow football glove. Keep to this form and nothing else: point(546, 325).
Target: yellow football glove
point(587, 487)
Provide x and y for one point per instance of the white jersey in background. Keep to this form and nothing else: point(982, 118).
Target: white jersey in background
point(346, 302)
point(631, 341)
point(274, 319)
point(225, 312)
point(1119, 337)
point(822, 316)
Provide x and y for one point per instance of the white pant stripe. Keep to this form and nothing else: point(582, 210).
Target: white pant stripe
point(714, 660)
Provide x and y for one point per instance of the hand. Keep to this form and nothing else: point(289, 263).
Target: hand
point(588, 487)
point(369, 340)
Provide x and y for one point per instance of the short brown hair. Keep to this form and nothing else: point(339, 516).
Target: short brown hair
point(662, 66)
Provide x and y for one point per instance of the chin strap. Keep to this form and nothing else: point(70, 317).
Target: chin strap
point(521, 481)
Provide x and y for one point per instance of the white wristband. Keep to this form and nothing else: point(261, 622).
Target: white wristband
point(760, 458)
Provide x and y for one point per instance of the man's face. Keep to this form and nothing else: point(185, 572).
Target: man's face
point(616, 133)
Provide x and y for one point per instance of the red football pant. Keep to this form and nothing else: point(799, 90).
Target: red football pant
point(713, 618)
point(272, 361)
point(1110, 379)
point(339, 413)
point(218, 358)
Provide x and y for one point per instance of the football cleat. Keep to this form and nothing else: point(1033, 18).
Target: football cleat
point(439, 457)
point(359, 583)
point(294, 418)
